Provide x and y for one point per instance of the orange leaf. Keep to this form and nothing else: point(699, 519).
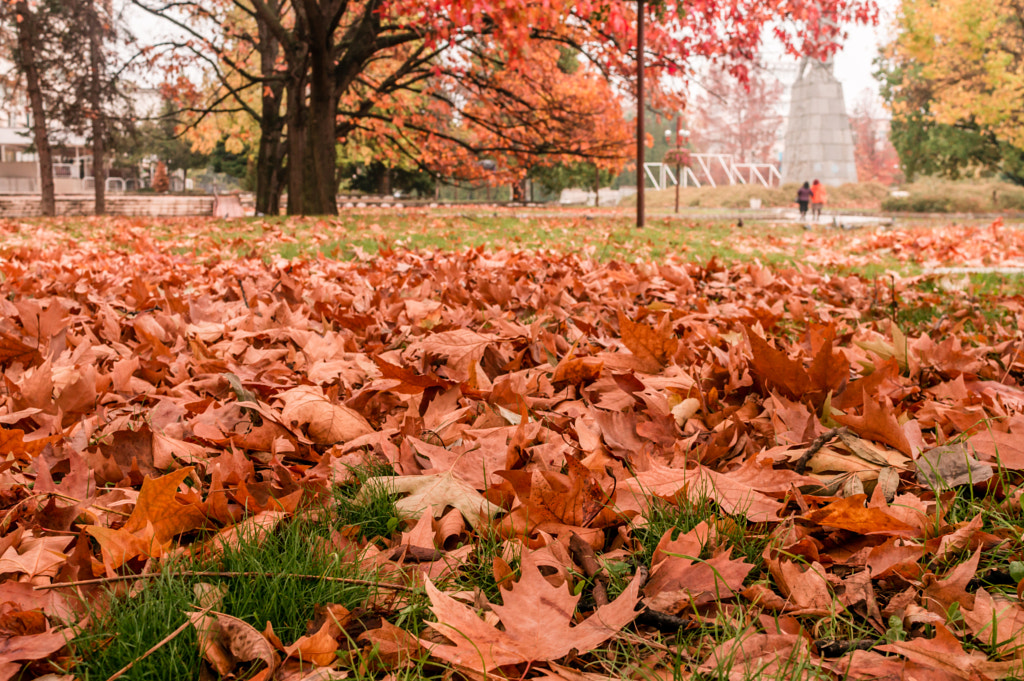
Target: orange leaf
point(577, 370)
point(653, 347)
point(877, 423)
point(851, 514)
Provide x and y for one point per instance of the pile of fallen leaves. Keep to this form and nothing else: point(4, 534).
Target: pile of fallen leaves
point(155, 403)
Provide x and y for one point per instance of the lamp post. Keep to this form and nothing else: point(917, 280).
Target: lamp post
point(640, 114)
point(679, 146)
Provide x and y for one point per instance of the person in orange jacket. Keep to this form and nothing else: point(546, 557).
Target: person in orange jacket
point(818, 196)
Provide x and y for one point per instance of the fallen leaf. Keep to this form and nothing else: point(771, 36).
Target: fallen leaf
point(433, 493)
point(324, 422)
point(950, 466)
point(537, 618)
point(653, 347)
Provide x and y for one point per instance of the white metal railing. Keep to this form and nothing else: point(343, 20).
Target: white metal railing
point(661, 175)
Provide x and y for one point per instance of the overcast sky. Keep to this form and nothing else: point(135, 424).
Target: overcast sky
point(853, 65)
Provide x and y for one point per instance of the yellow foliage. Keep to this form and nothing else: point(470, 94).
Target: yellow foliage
point(972, 52)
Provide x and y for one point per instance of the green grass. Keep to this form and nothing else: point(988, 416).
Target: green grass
point(275, 591)
point(746, 540)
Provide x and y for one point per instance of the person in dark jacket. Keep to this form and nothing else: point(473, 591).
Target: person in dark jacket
point(803, 198)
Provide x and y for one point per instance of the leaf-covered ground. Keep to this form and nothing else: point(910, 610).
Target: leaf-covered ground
point(494, 462)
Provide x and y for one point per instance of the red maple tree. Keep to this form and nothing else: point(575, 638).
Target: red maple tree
point(877, 160)
point(325, 72)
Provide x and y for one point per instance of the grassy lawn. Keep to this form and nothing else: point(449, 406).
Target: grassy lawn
point(557, 367)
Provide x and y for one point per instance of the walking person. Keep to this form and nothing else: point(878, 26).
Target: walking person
point(818, 197)
point(803, 199)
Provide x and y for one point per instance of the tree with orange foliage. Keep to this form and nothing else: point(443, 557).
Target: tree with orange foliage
point(328, 71)
point(161, 183)
point(876, 157)
point(735, 117)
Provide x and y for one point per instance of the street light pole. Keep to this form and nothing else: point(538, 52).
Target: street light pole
point(679, 146)
point(640, 137)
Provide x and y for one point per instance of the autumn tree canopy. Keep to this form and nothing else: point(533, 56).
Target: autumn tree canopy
point(736, 117)
point(446, 81)
point(953, 79)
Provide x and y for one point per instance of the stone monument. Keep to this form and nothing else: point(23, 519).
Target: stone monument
point(819, 140)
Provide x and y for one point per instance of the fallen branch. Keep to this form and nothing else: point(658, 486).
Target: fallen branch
point(662, 621)
point(583, 553)
point(838, 648)
point(128, 578)
point(816, 445)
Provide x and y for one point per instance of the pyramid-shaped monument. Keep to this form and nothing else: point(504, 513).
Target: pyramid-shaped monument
point(819, 140)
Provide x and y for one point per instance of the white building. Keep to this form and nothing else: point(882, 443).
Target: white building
point(19, 166)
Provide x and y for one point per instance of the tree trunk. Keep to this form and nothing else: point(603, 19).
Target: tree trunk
point(270, 157)
point(323, 113)
point(296, 121)
point(99, 132)
point(27, 40)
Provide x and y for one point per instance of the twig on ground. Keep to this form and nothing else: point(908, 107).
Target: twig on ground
point(838, 648)
point(164, 641)
point(128, 578)
point(816, 445)
point(245, 298)
point(662, 621)
point(583, 553)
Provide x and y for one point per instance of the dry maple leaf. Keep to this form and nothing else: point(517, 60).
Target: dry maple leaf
point(653, 347)
point(537, 618)
point(411, 382)
point(460, 347)
point(998, 621)
point(733, 496)
point(681, 581)
point(321, 647)
point(157, 518)
point(877, 423)
point(577, 370)
point(326, 423)
point(225, 641)
point(851, 514)
point(433, 493)
point(946, 654)
point(17, 649)
point(39, 556)
point(805, 589)
point(12, 349)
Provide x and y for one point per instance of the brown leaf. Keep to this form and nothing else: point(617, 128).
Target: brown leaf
point(805, 589)
point(225, 641)
point(461, 348)
point(577, 370)
point(411, 382)
point(945, 655)
point(325, 423)
point(158, 517)
point(433, 493)
point(949, 466)
point(396, 647)
point(733, 496)
point(12, 349)
point(877, 423)
point(778, 369)
point(321, 647)
point(16, 649)
point(537, 617)
point(851, 514)
point(653, 347)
